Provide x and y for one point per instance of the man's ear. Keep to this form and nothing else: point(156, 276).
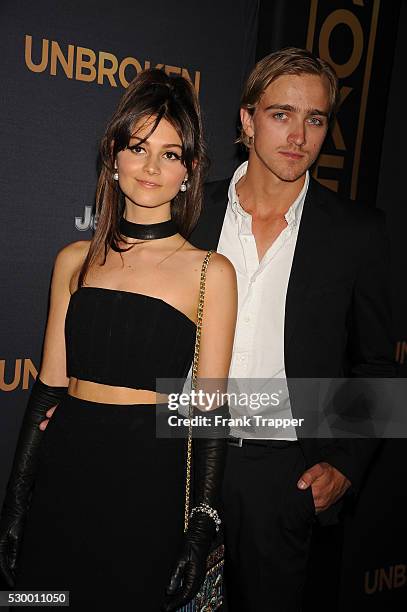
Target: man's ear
point(247, 122)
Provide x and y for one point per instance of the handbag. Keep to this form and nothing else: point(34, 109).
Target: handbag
point(210, 596)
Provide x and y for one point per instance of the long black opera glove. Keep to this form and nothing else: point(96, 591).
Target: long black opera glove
point(19, 488)
point(209, 456)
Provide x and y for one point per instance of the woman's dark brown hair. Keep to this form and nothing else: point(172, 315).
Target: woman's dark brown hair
point(151, 95)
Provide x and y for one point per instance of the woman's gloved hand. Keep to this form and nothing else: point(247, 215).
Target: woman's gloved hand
point(209, 455)
point(19, 488)
point(10, 535)
point(190, 570)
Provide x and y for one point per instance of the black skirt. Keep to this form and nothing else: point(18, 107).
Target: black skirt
point(106, 517)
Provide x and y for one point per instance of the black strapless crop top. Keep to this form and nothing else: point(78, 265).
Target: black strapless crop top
point(126, 339)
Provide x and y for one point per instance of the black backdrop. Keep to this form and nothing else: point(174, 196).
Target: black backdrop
point(64, 66)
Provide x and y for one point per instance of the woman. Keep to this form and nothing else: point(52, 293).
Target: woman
point(106, 516)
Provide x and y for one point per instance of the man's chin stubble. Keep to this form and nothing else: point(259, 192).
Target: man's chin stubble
point(289, 176)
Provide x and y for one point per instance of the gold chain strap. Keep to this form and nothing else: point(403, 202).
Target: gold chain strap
point(194, 380)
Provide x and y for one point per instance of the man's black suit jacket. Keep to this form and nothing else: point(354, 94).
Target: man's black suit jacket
point(337, 314)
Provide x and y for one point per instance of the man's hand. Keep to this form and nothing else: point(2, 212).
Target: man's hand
point(327, 484)
point(49, 413)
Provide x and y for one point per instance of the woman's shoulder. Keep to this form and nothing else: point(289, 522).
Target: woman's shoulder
point(220, 275)
point(218, 264)
point(221, 272)
point(71, 257)
point(73, 253)
point(220, 284)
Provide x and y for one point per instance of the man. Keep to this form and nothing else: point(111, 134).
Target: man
point(313, 303)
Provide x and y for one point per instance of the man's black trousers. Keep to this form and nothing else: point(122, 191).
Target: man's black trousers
point(268, 525)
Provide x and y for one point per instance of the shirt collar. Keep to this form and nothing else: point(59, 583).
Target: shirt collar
point(293, 213)
point(233, 197)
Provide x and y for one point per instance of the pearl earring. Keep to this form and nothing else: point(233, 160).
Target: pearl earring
point(183, 185)
point(116, 176)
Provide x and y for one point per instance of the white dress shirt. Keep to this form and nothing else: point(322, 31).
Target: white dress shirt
point(258, 351)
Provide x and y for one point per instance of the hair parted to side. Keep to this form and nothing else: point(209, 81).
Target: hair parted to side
point(290, 60)
point(151, 96)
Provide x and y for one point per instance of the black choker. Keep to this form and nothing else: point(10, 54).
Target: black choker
point(149, 231)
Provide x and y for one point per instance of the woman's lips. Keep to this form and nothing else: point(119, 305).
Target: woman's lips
point(147, 184)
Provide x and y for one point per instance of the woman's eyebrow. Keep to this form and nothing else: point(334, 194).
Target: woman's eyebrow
point(164, 146)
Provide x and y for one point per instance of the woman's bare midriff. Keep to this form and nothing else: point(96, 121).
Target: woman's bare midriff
point(106, 394)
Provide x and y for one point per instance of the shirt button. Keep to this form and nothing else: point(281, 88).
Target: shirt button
point(247, 319)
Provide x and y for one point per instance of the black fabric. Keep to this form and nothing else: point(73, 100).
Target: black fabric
point(106, 520)
point(126, 339)
point(337, 316)
point(19, 488)
point(149, 231)
point(268, 527)
point(209, 226)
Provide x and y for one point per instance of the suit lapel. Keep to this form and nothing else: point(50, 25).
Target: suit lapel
point(208, 229)
point(312, 241)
